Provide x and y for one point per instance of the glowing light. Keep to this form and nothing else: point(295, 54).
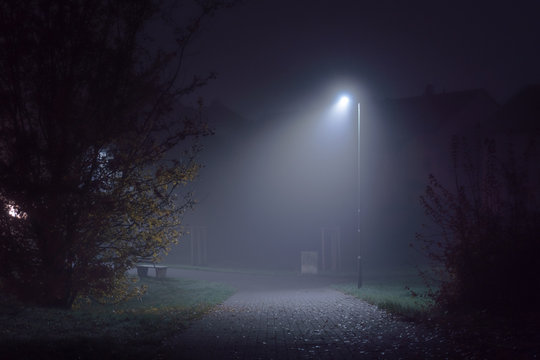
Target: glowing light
point(343, 102)
point(341, 109)
point(15, 212)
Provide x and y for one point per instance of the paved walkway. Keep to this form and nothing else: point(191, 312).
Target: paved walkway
point(299, 318)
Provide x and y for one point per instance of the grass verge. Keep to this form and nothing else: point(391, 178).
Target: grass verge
point(131, 330)
point(390, 292)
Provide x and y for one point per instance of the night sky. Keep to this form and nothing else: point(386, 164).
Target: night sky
point(272, 55)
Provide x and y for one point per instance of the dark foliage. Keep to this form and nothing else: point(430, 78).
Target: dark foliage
point(485, 255)
point(88, 118)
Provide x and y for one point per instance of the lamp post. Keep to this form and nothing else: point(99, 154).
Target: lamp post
point(358, 202)
point(342, 104)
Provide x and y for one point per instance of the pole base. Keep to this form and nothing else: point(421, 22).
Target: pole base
point(359, 272)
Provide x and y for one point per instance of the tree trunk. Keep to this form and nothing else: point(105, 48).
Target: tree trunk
point(56, 286)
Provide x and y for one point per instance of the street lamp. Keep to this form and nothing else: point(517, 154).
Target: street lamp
point(342, 104)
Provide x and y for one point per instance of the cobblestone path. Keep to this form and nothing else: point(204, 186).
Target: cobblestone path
point(308, 322)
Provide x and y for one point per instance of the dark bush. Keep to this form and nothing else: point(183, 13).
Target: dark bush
point(484, 253)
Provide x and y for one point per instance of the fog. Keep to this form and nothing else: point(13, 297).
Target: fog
point(272, 186)
point(282, 167)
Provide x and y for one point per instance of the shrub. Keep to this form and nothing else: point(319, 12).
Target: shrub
point(485, 250)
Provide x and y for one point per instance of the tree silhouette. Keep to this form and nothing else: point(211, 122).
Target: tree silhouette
point(89, 116)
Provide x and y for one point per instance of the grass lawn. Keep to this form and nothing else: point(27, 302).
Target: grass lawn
point(388, 291)
point(232, 270)
point(130, 330)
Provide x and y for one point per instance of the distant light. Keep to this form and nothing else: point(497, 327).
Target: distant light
point(11, 210)
point(343, 102)
point(15, 212)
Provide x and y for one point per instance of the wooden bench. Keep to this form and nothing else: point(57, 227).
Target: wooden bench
point(145, 263)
